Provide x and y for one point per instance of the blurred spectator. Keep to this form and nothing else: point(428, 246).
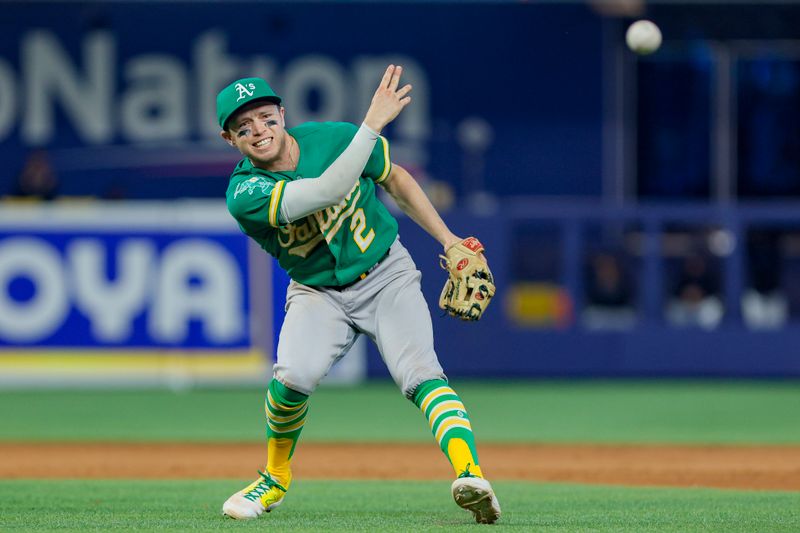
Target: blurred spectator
point(764, 304)
point(696, 298)
point(608, 294)
point(37, 179)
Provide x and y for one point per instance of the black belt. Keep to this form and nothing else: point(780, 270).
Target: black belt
point(360, 276)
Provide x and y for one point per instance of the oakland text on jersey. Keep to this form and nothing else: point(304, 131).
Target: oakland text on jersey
point(301, 239)
point(330, 219)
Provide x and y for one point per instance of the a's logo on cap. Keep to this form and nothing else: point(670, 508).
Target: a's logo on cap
point(243, 91)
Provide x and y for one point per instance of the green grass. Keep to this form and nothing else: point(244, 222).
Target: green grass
point(388, 506)
point(589, 411)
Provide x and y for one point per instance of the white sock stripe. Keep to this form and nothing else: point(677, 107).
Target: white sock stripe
point(432, 395)
point(445, 427)
point(445, 407)
point(287, 429)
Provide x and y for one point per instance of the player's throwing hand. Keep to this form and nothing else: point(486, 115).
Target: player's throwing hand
point(388, 100)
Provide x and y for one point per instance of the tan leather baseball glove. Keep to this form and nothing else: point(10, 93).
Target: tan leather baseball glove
point(470, 286)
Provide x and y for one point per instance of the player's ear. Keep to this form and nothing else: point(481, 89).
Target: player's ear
point(226, 137)
point(283, 116)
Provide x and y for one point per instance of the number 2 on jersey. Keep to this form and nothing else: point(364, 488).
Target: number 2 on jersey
point(358, 224)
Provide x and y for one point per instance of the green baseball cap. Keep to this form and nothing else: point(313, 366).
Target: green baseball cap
point(242, 92)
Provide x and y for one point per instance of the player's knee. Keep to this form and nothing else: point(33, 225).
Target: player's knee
point(421, 390)
point(298, 378)
point(417, 387)
point(285, 394)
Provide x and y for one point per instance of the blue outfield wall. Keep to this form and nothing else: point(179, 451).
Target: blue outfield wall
point(179, 290)
point(498, 347)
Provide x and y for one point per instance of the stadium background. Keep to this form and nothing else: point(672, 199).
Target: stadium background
point(640, 214)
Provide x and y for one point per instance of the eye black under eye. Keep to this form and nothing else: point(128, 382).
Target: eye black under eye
point(243, 133)
point(272, 122)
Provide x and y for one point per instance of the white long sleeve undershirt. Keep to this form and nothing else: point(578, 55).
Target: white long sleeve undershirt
point(305, 196)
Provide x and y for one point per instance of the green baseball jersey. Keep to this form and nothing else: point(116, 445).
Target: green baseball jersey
point(332, 246)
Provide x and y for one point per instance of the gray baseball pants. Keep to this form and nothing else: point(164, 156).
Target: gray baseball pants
point(321, 325)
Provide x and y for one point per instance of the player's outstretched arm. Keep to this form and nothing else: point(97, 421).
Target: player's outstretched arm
point(410, 197)
point(303, 197)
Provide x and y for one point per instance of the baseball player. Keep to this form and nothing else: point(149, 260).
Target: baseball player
point(307, 196)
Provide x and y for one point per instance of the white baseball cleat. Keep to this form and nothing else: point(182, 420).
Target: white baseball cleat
point(475, 494)
point(264, 494)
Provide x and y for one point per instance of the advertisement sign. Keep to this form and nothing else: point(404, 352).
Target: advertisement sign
point(145, 282)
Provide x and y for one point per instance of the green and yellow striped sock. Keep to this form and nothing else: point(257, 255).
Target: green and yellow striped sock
point(286, 414)
point(450, 425)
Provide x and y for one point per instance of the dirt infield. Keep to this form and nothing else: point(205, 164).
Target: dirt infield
point(743, 467)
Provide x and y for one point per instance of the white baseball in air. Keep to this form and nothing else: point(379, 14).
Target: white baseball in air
point(643, 37)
